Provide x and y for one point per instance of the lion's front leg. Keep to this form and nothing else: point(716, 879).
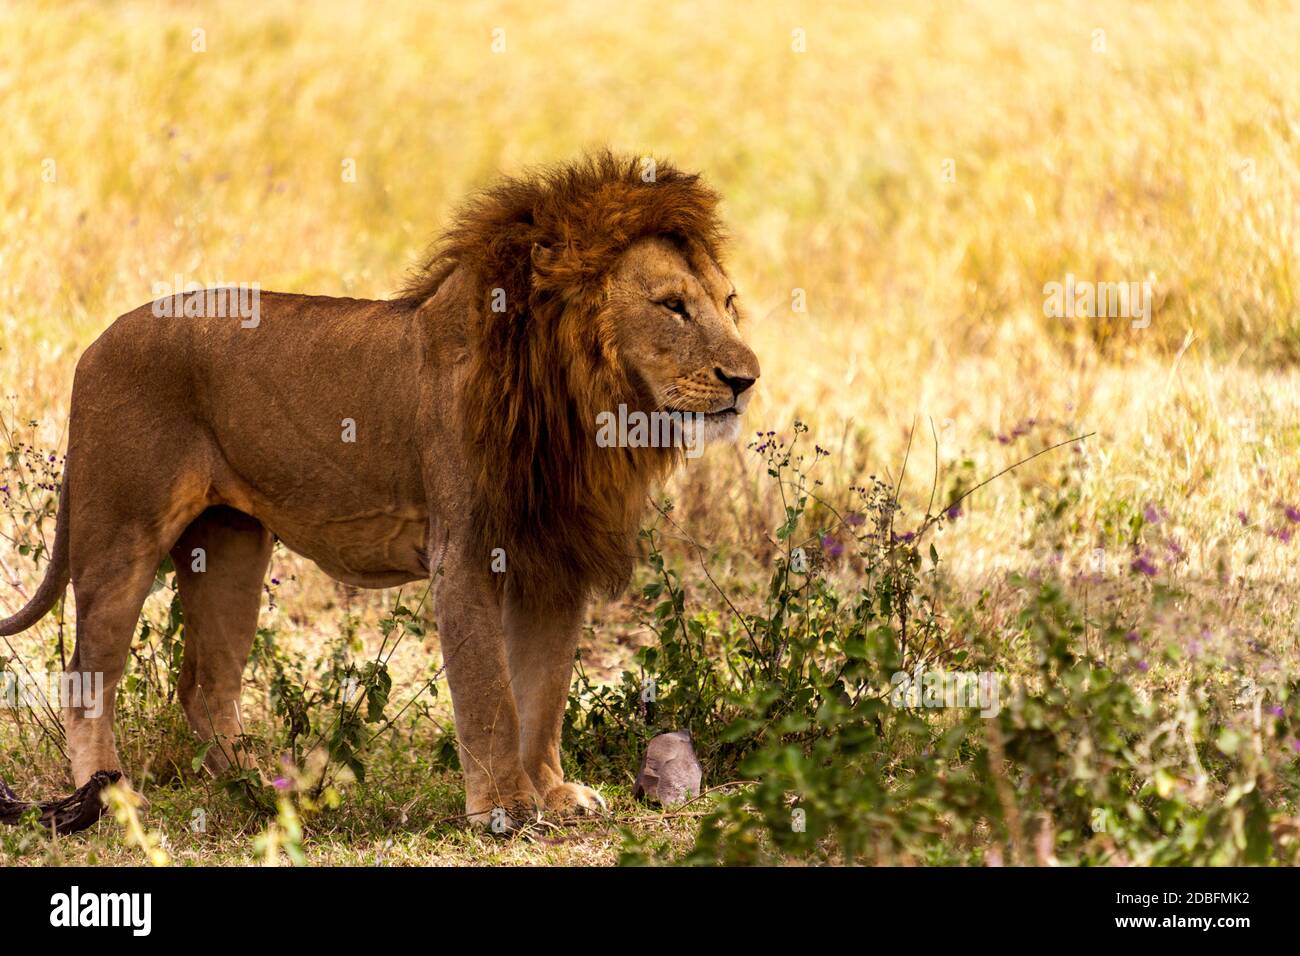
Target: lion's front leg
point(541, 644)
point(499, 793)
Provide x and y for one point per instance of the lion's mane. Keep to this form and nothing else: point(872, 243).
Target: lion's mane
point(565, 510)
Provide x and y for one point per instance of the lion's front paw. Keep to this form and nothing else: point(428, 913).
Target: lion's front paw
point(511, 817)
point(568, 798)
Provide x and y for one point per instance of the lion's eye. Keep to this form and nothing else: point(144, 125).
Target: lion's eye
point(676, 306)
point(731, 302)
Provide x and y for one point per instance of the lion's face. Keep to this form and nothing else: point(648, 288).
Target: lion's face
point(675, 318)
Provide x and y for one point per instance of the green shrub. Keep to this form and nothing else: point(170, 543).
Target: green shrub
point(1087, 759)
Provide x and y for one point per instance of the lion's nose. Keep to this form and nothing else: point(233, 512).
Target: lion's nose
point(737, 383)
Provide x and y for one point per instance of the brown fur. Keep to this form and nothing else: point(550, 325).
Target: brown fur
point(542, 370)
point(471, 430)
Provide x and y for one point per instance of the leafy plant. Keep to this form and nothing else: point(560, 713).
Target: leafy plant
point(1083, 760)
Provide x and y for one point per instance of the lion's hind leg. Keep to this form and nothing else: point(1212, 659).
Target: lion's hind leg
point(221, 561)
point(112, 567)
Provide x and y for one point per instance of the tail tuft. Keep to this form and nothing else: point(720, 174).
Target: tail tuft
point(55, 581)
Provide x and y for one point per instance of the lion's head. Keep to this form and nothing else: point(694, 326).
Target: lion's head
point(597, 286)
point(675, 319)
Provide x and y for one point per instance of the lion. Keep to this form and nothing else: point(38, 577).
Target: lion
point(445, 433)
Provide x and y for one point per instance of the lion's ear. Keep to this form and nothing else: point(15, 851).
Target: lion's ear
point(543, 256)
point(555, 266)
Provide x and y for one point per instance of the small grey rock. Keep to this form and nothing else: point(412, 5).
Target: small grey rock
point(670, 771)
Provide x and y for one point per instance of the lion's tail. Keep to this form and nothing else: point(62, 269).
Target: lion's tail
point(56, 575)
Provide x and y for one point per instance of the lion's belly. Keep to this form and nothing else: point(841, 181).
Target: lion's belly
point(379, 549)
point(363, 532)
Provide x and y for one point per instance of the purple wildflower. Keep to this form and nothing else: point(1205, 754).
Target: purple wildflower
point(832, 547)
point(1143, 565)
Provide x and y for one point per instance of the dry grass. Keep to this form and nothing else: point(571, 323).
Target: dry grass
point(1171, 156)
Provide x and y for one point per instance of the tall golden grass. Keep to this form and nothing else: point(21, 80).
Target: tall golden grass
point(918, 171)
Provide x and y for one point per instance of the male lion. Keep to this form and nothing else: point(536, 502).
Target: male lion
point(391, 440)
